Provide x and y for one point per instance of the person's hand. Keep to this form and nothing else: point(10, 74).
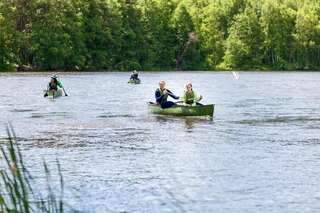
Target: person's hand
point(165, 92)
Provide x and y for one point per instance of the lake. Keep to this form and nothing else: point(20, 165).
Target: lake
point(259, 153)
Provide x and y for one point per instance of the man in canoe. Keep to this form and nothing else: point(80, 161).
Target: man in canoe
point(162, 94)
point(134, 75)
point(54, 84)
point(190, 97)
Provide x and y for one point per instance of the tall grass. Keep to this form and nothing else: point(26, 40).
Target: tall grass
point(18, 192)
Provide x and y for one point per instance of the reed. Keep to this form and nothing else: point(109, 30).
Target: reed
point(18, 192)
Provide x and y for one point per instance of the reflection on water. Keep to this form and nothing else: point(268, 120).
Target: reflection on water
point(260, 152)
point(191, 122)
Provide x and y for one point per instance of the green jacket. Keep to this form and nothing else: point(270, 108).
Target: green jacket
point(55, 87)
point(190, 98)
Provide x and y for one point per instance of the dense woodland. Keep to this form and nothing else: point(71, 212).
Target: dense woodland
point(160, 34)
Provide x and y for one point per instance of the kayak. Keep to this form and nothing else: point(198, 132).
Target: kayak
point(134, 81)
point(53, 93)
point(182, 110)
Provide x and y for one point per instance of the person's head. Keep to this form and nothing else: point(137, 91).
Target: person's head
point(135, 72)
point(162, 84)
point(54, 78)
point(189, 87)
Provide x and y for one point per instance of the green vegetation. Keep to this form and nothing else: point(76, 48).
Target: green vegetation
point(18, 191)
point(160, 34)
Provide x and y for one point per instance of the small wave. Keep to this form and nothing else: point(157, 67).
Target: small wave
point(37, 116)
point(53, 114)
point(116, 116)
point(22, 110)
point(308, 141)
point(280, 119)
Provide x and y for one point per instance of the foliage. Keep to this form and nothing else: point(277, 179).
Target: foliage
point(155, 34)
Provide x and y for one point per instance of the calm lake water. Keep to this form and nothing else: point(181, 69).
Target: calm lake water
point(260, 152)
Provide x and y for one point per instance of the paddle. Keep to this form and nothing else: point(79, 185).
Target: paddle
point(191, 99)
point(45, 93)
point(63, 89)
point(64, 92)
point(169, 93)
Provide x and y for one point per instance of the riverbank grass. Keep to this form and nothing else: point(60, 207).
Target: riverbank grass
point(18, 191)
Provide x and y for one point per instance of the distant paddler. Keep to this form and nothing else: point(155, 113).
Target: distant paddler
point(190, 97)
point(54, 85)
point(161, 95)
point(134, 78)
point(135, 75)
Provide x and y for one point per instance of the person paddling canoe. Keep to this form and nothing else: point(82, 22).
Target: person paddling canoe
point(134, 75)
point(162, 94)
point(190, 97)
point(54, 84)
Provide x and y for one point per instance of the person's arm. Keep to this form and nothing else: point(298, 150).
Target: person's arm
point(183, 98)
point(196, 97)
point(172, 95)
point(158, 96)
point(59, 84)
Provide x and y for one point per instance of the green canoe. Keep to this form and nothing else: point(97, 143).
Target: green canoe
point(53, 93)
point(135, 81)
point(182, 110)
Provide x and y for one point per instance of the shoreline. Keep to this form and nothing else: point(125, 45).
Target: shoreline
point(150, 71)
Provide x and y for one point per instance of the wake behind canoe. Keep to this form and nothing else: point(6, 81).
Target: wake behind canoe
point(183, 110)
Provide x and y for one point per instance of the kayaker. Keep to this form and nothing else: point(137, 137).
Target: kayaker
point(134, 75)
point(54, 84)
point(162, 94)
point(190, 96)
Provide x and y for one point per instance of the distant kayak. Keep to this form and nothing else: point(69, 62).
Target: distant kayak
point(134, 81)
point(53, 93)
point(182, 110)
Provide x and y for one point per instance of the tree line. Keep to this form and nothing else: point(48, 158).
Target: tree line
point(160, 34)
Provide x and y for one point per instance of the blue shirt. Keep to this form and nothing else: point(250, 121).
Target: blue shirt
point(161, 98)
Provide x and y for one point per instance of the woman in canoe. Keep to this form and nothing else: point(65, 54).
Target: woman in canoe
point(54, 84)
point(162, 94)
point(190, 97)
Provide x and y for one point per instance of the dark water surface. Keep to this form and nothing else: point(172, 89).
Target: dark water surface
point(260, 153)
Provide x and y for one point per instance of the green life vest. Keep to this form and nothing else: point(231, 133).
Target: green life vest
point(189, 97)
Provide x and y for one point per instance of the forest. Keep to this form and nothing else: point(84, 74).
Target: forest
point(94, 35)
